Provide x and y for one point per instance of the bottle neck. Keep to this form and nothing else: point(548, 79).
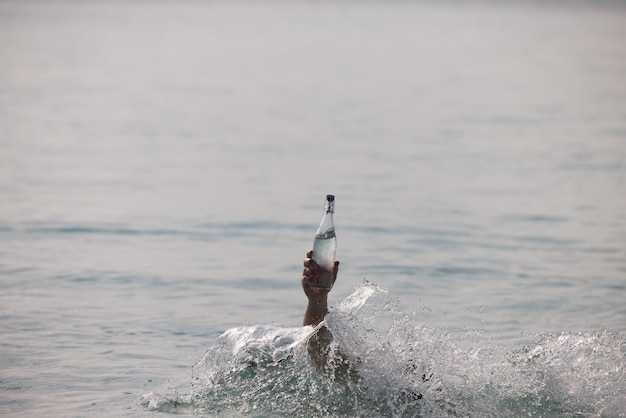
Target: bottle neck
point(329, 207)
point(327, 225)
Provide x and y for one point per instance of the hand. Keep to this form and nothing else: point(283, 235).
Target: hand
point(311, 276)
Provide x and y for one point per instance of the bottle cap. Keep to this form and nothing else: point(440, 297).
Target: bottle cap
point(330, 197)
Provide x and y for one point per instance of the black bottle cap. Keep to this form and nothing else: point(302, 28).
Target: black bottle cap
point(330, 197)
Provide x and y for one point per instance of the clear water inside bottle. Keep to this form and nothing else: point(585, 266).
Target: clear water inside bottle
point(324, 248)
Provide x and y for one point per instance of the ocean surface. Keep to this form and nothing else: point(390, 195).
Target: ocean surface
point(163, 169)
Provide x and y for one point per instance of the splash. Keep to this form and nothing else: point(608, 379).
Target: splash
point(401, 369)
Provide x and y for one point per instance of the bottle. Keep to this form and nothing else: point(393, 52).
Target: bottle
point(325, 245)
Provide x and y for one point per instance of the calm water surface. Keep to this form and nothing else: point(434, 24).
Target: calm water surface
point(163, 168)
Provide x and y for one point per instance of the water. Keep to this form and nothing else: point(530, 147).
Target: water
point(478, 152)
point(401, 369)
point(324, 251)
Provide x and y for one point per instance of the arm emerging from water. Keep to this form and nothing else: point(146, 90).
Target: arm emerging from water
point(318, 345)
point(318, 298)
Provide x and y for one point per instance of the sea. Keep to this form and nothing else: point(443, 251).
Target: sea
point(163, 170)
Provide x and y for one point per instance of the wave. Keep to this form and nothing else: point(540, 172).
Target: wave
point(399, 368)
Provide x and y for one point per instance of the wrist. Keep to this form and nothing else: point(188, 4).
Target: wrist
point(315, 311)
point(318, 300)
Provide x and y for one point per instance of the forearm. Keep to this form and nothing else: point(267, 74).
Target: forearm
point(319, 342)
point(315, 311)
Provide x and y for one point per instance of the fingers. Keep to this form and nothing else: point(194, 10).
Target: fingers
point(311, 273)
point(311, 270)
point(309, 279)
point(309, 262)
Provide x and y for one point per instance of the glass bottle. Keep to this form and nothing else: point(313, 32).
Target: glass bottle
point(325, 245)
